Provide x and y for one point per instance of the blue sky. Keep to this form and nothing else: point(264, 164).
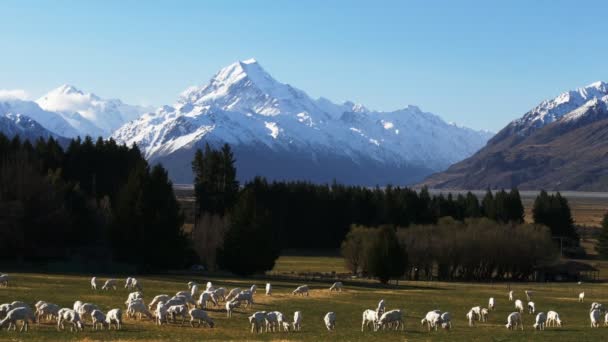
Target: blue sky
point(477, 63)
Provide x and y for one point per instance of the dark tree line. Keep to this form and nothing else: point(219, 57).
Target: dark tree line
point(98, 201)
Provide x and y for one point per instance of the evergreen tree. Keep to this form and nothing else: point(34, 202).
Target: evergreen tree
point(602, 240)
point(554, 212)
point(386, 258)
point(488, 206)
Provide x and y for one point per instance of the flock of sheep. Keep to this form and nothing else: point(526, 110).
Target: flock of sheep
point(164, 308)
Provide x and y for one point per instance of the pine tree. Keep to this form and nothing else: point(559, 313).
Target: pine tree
point(488, 206)
point(386, 258)
point(602, 240)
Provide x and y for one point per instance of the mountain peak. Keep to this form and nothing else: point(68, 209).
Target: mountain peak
point(237, 71)
point(66, 89)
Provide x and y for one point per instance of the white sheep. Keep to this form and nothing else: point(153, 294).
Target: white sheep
point(191, 283)
point(133, 296)
point(137, 308)
point(257, 321)
point(391, 318)
point(297, 321)
point(209, 286)
point(483, 317)
point(606, 319)
point(98, 319)
point(330, 320)
point(272, 322)
point(220, 294)
point(94, 283)
point(380, 308)
point(206, 297)
point(594, 316)
point(245, 296)
point(70, 316)
point(230, 306)
point(177, 300)
point(129, 283)
point(581, 297)
point(282, 322)
point(201, 316)
point(471, 317)
point(110, 283)
point(446, 320)
point(233, 293)
point(301, 290)
point(158, 299)
point(528, 295)
point(253, 288)
point(47, 310)
point(114, 316)
point(337, 286)
point(431, 319)
point(597, 306)
point(4, 278)
point(511, 295)
point(268, 289)
point(519, 305)
point(136, 284)
point(22, 314)
point(369, 316)
point(187, 297)
point(491, 303)
point(161, 313)
point(76, 306)
point(86, 309)
point(194, 290)
point(531, 307)
point(553, 319)
point(513, 320)
point(178, 311)
point(541, 320)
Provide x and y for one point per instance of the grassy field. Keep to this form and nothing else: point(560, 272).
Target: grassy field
point(416, 298)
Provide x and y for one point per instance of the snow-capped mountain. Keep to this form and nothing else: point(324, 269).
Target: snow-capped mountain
point(26, 128)
point(51, 121)
point(278, 131)
point(87, 113)
point(560, 144)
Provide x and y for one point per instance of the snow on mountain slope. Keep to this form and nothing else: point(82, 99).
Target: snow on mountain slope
point(26, 128)
point(244, 106)
point(52, 121)
point(88, 113)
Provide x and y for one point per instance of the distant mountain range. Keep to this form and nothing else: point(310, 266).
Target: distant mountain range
point(279, 132)
point(561, 144)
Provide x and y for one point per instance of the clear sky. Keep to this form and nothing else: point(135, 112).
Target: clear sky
point(478, 63)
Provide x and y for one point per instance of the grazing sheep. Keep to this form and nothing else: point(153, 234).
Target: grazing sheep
point(138, 308)
point(272, 322)
point(330, 320)
point(87, 309)
point(514, 320)
point(581, 297)
point(193, 291)
point(209, 286)
point(47, 310)
point(491, 303)
point(553, 319)
point(70, 316)
point(206, 297)
point(110, 283)
point(129, 283)
point(253, 288)
point(158, 299)
point(161, 313)
point(483, 315)
point(94, 283)
point(134, 296)
point(19, 304)
point(135, 284)
point(369, 316)
point(201, 316)
point(528, 295)
point(98, 319)
point(268, 289)
point(594, 316)
point(187, 297)
point(337, 286)
point(22, 314)
point(297, 321)
point(541, 320)
point(178, 310)
point(220, 294)
point(446, 320)
point(471, 317)
point(244, 296)
point(233, 293)
point(191, 283)
point(286, 326)
point(381, 308)
point(301, 290)
point(4, 278)
point(531, 307)
point(257, 321)
point(175, 301)
point(230, 306)
point(114, 316)
point(76, 306)
point(511, 295)
point(597, 306)
point(519, 305)
point(431, 319)
point(391, 318)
